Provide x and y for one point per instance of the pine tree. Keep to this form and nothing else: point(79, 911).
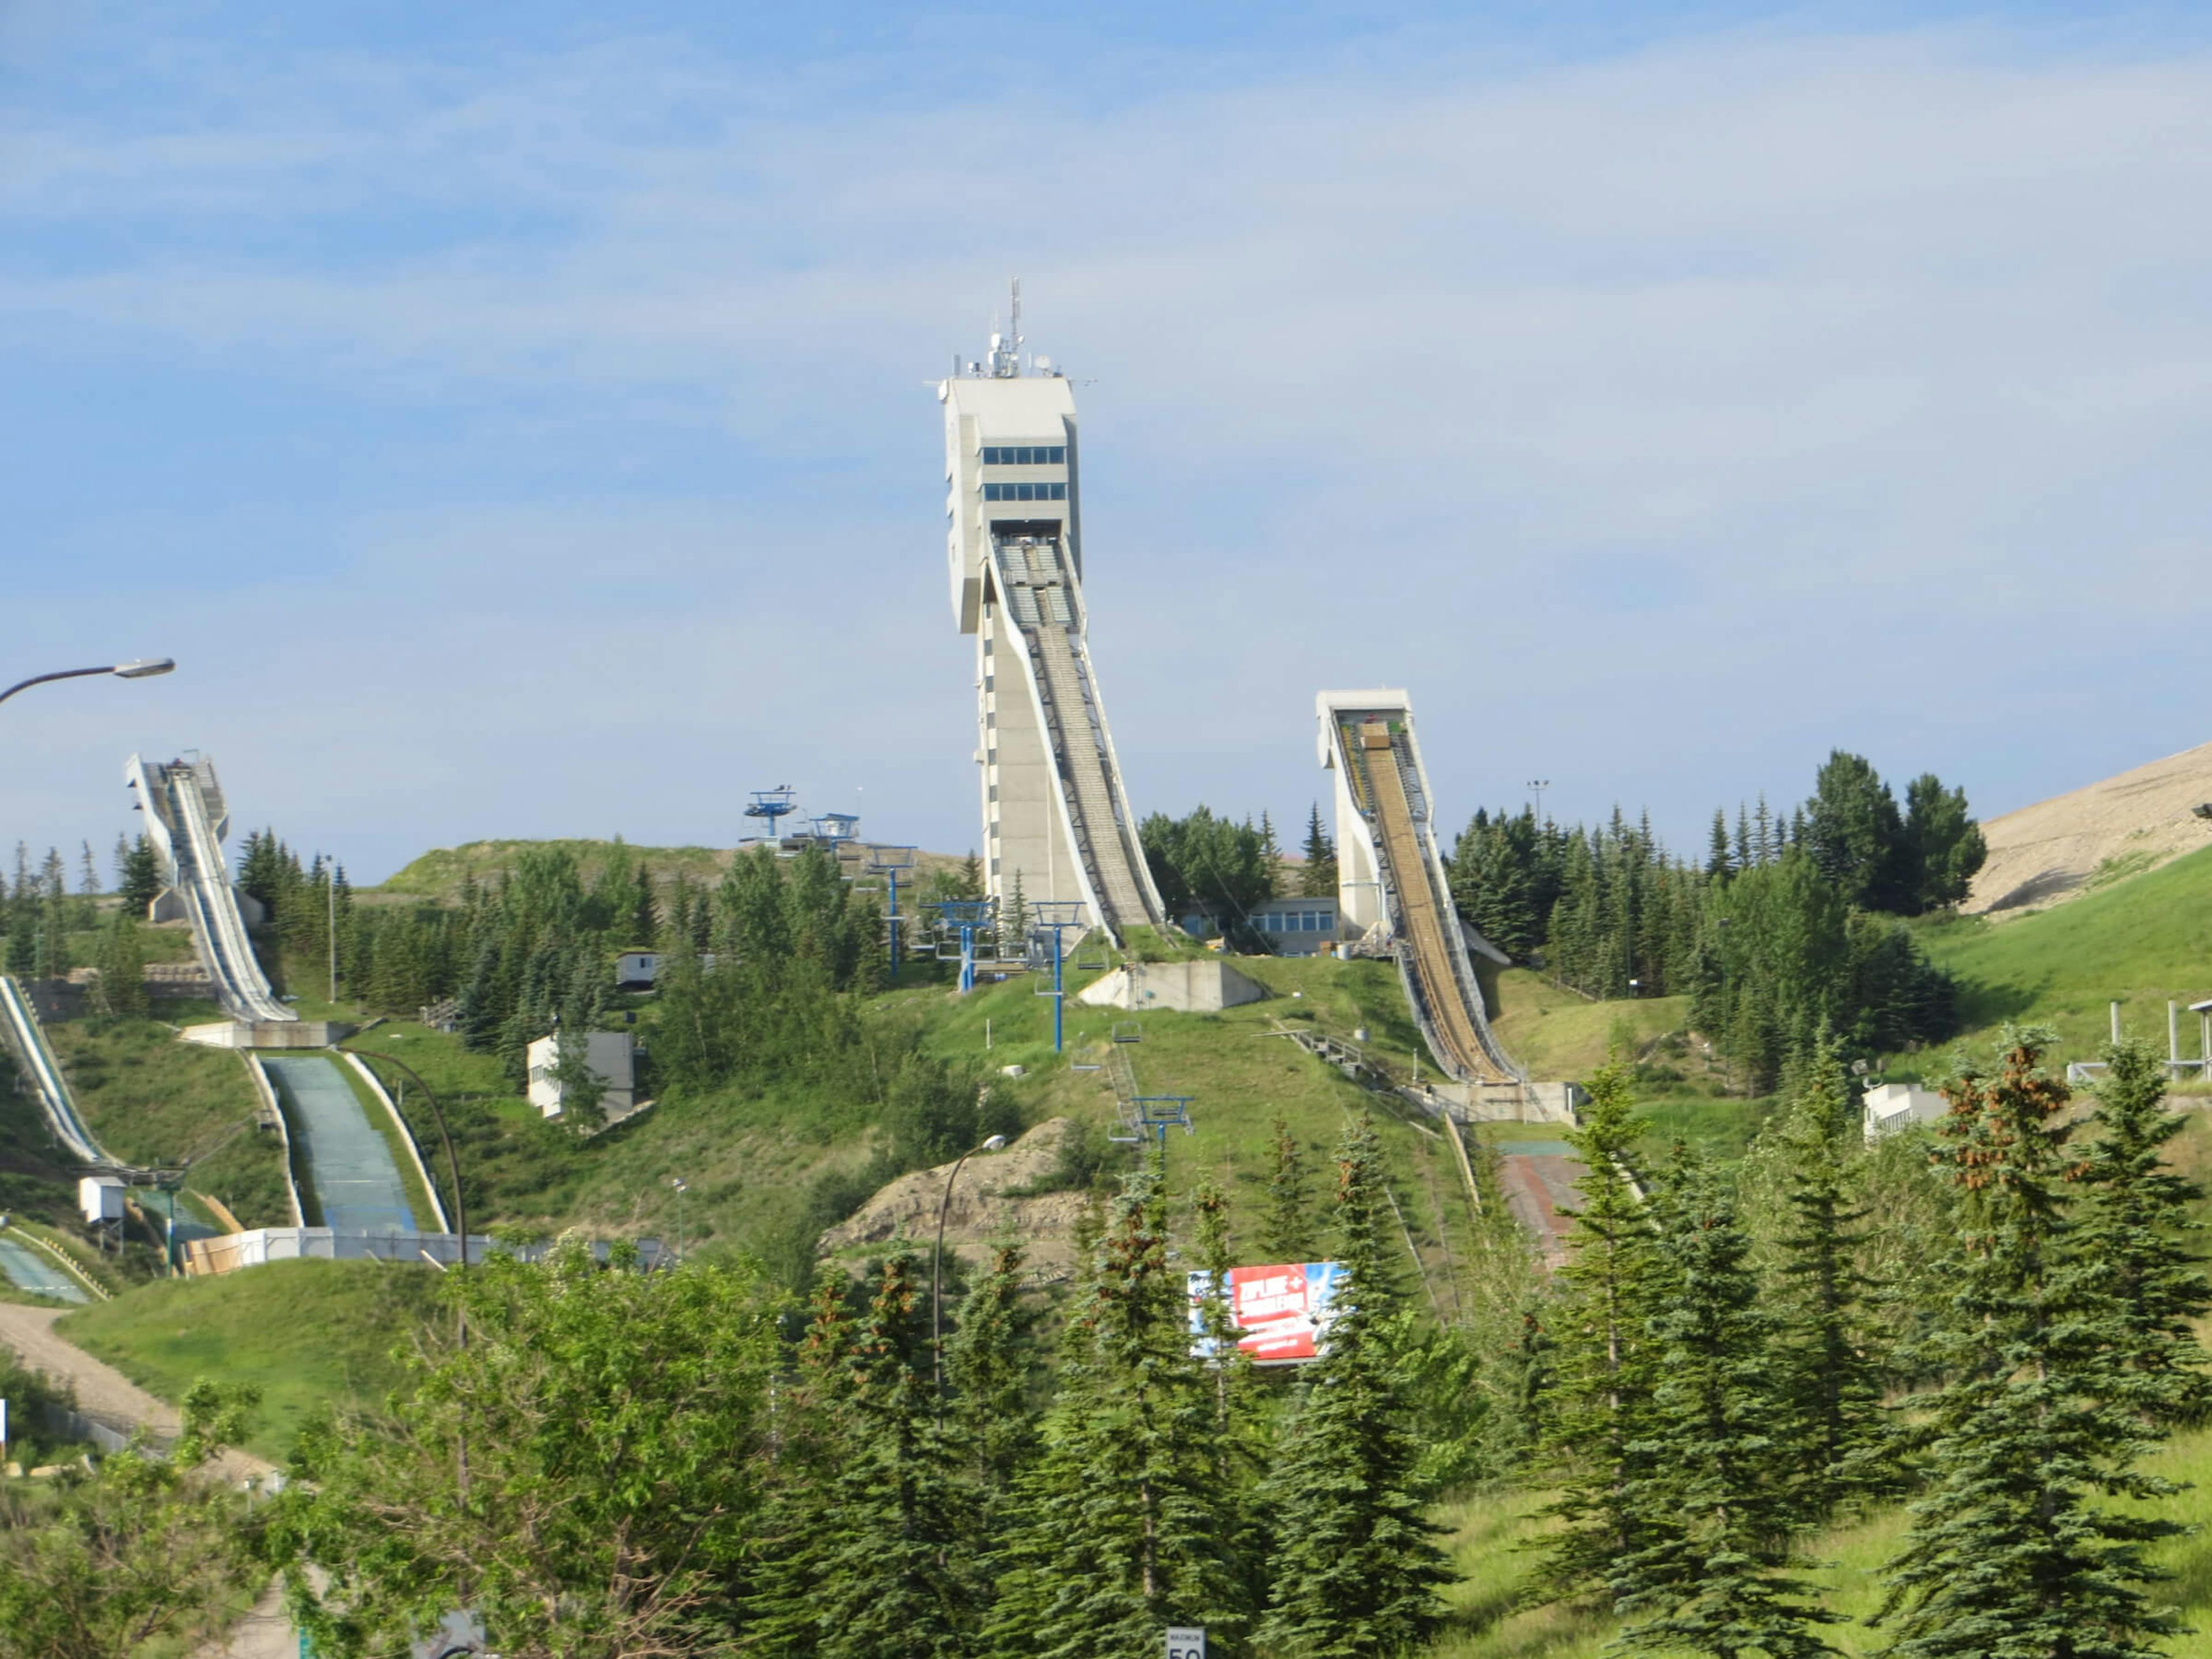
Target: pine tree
point(1720, 864)
point(644, 917)
point(1356, 1568)
point(1318, 878)
point(991, 1362)
point(1828, 1354)
point(1125, 1530)
point(139, 881)
point(1014, 920)
point(895, 1578)
point(2134, 1233)
point(122, 966)
point(1713, 1508)
point(2009, 1552)
point(1271, 857)
point(1286, 1226)
point(1603, 1367)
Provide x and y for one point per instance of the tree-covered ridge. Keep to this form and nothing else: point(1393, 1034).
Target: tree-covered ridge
point(1788, 925)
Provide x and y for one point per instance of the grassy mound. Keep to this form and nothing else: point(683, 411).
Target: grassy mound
point(2144, 941)
point(304, 1333)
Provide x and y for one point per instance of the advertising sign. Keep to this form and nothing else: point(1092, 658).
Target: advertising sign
point(1282, 1313)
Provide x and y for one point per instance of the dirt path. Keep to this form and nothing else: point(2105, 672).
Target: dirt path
point(102, 1392)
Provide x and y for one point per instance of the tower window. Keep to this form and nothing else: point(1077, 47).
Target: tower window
point(1025, 454)
point(1024, 492)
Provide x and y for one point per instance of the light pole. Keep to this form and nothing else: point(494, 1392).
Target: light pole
point(138, 668)
point(937, 1267)
point(676, 1182)
point(1538, 786)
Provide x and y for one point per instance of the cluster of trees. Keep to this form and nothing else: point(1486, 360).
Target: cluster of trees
point(1726, 1365)
point(39, 912)
point(1221, 868)
point(619, 1462)
point(1788, 923)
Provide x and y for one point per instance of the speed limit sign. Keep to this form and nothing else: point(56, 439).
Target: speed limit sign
point(1186, 1642)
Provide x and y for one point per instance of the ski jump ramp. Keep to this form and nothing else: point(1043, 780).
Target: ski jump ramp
point(187, 820)
point(1391, 883)
point(26, 1041)
point(1056, 819)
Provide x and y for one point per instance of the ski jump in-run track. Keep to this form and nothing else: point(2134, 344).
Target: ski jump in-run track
point(186, 820)
point(1391, 881)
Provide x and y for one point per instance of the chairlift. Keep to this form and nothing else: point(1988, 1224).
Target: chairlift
point(1128, 1031)
point(1090, 964)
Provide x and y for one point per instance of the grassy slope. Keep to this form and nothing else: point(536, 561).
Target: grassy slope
point(304, 1332)
point(152, 1100)
point(2144, 941)
point(439, 874)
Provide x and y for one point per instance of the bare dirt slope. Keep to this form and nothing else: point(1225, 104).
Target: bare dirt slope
point(992, 1201)
point(2124, 825)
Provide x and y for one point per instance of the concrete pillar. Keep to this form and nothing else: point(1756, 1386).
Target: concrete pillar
point(2173, 1038)
point(2116, 1022)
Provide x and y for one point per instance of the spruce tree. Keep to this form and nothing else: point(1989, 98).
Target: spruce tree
point(122, 966)
point(1318, 878)
point(1706, 1571)
point(894, 1575)
point(140, 883)
point(1828, 1353)
point(1125, 1530)
point(2009, 1552)
point(1601, 1365)
point(1356, 1568)
point(1720, 863)
point(991, 1363)
point(2134, 1233)
point(1287, 1225)
point(1271, 857)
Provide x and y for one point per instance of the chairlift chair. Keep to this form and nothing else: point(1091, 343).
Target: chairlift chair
point(1128, 1031)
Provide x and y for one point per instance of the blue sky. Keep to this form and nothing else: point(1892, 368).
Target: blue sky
point(515, 418)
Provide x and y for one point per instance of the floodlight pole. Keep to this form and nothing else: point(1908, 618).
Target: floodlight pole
point(144, 668)
point(891, 874)
point(937, 1269)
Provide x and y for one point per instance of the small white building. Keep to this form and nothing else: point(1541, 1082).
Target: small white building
point(610, 1057)
point(1898, 1105)
point(635, 971)
point(100, 1198)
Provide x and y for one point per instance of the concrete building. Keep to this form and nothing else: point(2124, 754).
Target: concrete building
point(611, 1057)
point(1898, 1105)
point(635, 971)
point(1053, 809)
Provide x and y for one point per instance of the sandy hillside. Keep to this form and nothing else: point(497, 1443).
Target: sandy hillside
point(994, 1198)
point(2050, 851)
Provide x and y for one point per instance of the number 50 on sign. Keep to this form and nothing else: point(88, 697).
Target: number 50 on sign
point(1186, 1642)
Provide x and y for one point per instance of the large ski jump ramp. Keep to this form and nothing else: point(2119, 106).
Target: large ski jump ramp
point(187, 820)
point(1391, 877)
point(357, 1184)
point(26, 1041)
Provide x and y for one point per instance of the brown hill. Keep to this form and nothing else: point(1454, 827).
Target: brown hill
point(2073, 843)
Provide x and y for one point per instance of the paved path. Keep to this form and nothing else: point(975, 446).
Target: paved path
point(357, 1185)
point(31, 1269)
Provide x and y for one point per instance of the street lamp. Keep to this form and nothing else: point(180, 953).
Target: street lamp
point(138, 668)
point(937, 1267)
point(676, 1182)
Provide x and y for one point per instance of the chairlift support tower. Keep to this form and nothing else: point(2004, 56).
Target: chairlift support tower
point(1057, 919)
point(966, 917)
point(773, 805)
point(890, 863)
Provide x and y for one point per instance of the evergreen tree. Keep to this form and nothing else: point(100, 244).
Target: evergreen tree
point(2009, 1552)
point(1271, 856)
point(1942, 849)
point(1013, 921)
point(1603, 1367)
point(1827, 1352)
point(991, 1362)
point(644, 908)
point(1858, 840)
point(139, 880)
point(1287, 1225)
point(122, 966)
point(1706, 1573)
point(2135, 1233)
point(1317, 879)
point(1356, 1567)
point(1125, 1530)
point(895, 1577)
point(1720, 863)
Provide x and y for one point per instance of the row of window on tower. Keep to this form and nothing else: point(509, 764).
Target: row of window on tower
point(1024, 492)
point(1025, 454)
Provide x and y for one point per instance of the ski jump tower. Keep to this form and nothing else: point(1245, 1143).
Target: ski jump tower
point(1055, 813)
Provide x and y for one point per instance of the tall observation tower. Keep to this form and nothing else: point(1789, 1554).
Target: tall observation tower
point(1055, 812)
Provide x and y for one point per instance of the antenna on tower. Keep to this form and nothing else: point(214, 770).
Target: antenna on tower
point(1007, 348)
point(1015, 308)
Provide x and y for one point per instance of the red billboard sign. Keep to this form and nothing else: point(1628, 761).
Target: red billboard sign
point(1282, 1312)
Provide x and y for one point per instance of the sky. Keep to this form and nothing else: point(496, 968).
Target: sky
point(517, 419)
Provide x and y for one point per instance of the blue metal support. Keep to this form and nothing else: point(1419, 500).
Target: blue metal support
point(888, 862)
point(968, 915)
point(1056, 917)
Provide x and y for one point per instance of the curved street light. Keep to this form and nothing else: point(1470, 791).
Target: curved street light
point(937, 1267)
point(138, 668)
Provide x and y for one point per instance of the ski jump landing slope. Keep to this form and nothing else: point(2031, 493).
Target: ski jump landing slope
point(1392, 880)
point(187, 820)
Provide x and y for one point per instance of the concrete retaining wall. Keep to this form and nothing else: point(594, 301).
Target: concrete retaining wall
point(267, 1034)
point(1184, 987)
point(232, 1251)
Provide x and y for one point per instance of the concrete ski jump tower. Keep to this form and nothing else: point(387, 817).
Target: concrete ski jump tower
point(1392, 886)
point(1055, 812)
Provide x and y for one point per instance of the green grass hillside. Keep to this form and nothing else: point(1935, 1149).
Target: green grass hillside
point(439, 874)
point(2144, 940)
point(304, 1333)
point(152, 1100)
